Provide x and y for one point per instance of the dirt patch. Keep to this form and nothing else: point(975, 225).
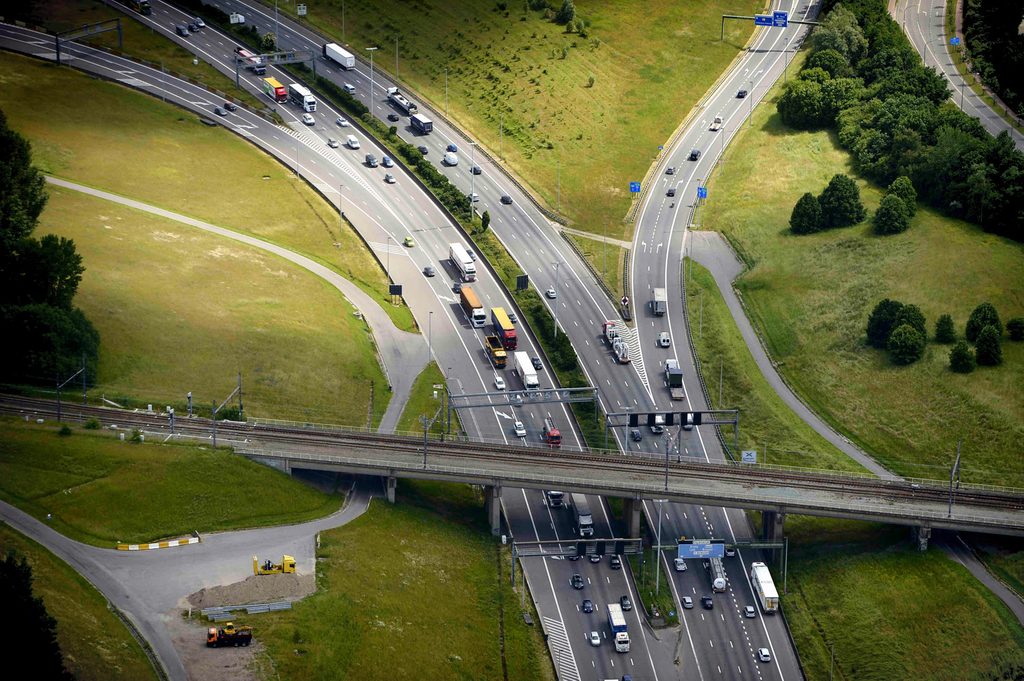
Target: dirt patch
point(255, 589)
point(212, 664)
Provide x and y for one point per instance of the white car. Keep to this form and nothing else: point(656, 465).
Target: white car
point(308, 119)
point(749, 612)
point(551, 293)
point(349, 88)
point(519, 429)
point(389, 178)
point(351, 142)
point(687, 602)
point(341, 122)
point(595, 639)
point(499, 382)
point(664, 340)
point(473, 197)
point(764, 655)
point(450, 159)
point(679, 564)
point(332, 143)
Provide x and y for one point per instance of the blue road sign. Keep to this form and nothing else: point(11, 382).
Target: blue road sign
point(763, 20)
point(634, 187)
point(954, 40)
point(702, 192)
point(780, 19)
point(701, 548)
point(661, 147)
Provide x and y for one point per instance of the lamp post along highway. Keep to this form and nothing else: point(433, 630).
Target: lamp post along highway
point(657, 555)
point(388, 270)
point(371, 50)
point(554, 306)
point(472, 164)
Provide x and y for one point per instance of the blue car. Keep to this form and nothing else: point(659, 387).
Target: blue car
point(452, 148)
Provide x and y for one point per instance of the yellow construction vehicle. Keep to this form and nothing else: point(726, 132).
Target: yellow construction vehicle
point(286, 565)
point(230, 635)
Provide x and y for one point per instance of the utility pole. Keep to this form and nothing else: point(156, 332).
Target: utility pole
point(396, 57)
point(954, 472)
point(371, 50)
point(657, 555)
point(501, 135)
point(430, 336)
point(342, 21)
point(446, 92)
point(554, 306)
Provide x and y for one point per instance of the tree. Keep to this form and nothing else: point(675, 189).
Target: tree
point(831, 61)
point(904, 188)
point(945, 332)
point(801, 105)
point(911, 314)
point(485, 221)
point(22, 188)
point(1016, 328)
point(840, 32)
point(566, 13)
point(49, 270)
point(892, 216)
point(982, 316)
point(989, 351)
point(905, 344)
point(35, 634)
point(268, 42)
point(806, 217)
point(840, 203)
point(881, 322)
point(961, 359)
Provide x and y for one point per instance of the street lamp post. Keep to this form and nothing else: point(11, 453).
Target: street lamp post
point(750, 99)
point(371, 50)
point(472, 165)
point(657, 555)
point(554, 306)
point(446, 91)
point(388, 271)
point(430, 336)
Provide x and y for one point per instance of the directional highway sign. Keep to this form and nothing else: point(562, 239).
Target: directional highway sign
point(702, 192)
point(634, 187)
point(763, 20)
point(780, 19)
point(701, 548)
point(954, 40)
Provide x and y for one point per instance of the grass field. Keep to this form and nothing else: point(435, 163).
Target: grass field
point(1004, 556)
point(197, 308)
point(90, 482)
point(423, 403)
point(139, 41)
point(811, 296)
point(765, 420)
point(163, 157)
point(415, 590)
point(892, 612)
point(523, 87)
point(95, 644)
point(606, 259)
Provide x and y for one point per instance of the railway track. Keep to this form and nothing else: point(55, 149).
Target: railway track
point(278, 436)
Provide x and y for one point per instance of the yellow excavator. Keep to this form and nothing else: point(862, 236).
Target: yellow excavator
point(287, 565)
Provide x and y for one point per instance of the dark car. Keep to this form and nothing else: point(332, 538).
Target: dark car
point(670, 170)
point(422, 149)
point(193, 27)
point(457, 287)
point(588, 605)
point(219, 111)
point(707, 603)
point(230, 106)
point(506, 199)
point(475, 170)
point(513, 318)
point(694, 154)
point(615, 563)
point(576, 581)
point(636, 435)
point(741, 94)
point(181, 30)
point(574, 556)
point(393, 117)
point(671, 191)
point(536, 363)
point(626, 604)
point(452, 148)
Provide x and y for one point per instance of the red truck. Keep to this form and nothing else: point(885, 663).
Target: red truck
point(504, 328)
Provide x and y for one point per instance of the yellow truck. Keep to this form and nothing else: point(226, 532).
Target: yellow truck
point(287, 565)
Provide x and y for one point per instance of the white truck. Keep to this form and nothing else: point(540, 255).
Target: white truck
point(659, 304)
point(582, 516)
point(764, 587)
point(302, 96)
point(404, 104)
point(616, 341)
point(716, 573)
point(716, 125)
point(524, 367)
point(617, 623)
point(462, 262)
point(674, 379)
point(335, 53)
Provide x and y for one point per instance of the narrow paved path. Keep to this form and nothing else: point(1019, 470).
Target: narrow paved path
point(149, 586)
point(594, 237)
point(712, 251)
point(400, 353)
point(957, 549)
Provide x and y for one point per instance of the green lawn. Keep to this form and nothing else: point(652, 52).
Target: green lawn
point(92, 484)
point(606, 259)
point(415, 590)
point(810, 297)
point(892, 612)
point(180, 310)
point(423, 402)
point(139, 41)
point(521, 85)
point(162, 157)
point(96, 645)
point(1004, 556)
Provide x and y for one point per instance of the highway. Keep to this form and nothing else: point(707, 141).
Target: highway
point(924, 22)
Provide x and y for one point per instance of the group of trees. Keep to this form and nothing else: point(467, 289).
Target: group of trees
point(864, 79)
point(839, 205)
point(32, 632)
point(47, 335)
point(902, 330)
point(996, 47)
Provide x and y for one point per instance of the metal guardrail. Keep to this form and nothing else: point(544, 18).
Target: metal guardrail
point(223, 612)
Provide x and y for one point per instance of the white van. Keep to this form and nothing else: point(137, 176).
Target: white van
point(451, 159)
point(349, 88)
point(351, 142)
point(688, 424)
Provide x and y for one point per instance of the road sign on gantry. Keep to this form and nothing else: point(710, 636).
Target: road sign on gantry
point(701, 548)
point(763, 20)
point(780, 19)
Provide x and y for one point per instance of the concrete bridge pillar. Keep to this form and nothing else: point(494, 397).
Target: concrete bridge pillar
point(492, 504)
point(921, 536)
point(390, 483)
point(631, 509)
point(772, 525)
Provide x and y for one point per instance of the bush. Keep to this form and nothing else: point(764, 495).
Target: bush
point(566, 13)
point(65, 430)
point(988, 350)
point(840, 203)
point(806, 217)
point(904, 188)
point(912, 315)
point(1016, 328)
point(961, 359)
point(892, 216)
point(905, 344)
point(881, 322)
point(945, 332)
point(485, 221)
point(802, 105)
point(982, 316)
